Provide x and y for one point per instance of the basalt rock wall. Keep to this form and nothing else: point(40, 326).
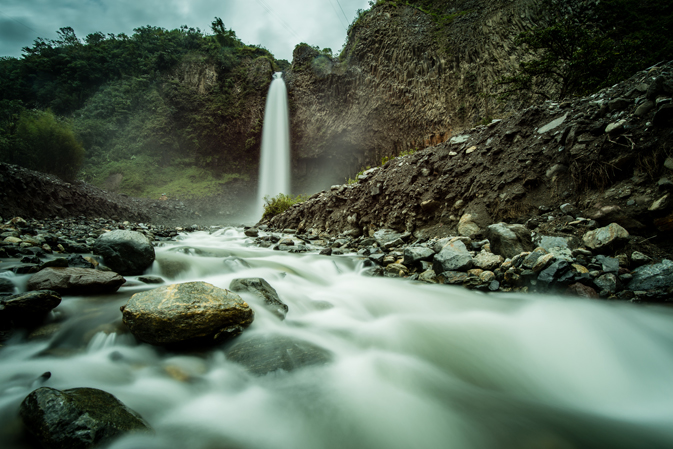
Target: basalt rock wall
point(405, 80)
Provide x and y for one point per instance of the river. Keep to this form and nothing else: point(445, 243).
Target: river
point(412, 365)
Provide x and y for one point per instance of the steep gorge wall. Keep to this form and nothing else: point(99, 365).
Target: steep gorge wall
point(406, 81)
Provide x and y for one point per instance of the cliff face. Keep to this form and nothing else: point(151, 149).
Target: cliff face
point(405, 80)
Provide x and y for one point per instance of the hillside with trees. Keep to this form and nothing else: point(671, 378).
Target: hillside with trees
point(177, 110)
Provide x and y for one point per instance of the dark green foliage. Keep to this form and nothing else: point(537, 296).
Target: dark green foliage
point(44, 143)
point(279, 204)
point(586, 47)
point(132, 101)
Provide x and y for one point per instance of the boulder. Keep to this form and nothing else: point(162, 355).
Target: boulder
point(263, 354)
point(77, 418)
point(452, 257)
point(651, 277)
point(76, 281)
point(27, 309)
point(6, 285)
point(509, 240)
point(387, 237)
point(415, 254)
point(186, 314)
point(264, 290)
point(126, 252)
point(487, 261)
point(467, 227)
point(605, 237)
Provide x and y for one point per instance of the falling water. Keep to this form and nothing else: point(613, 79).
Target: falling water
point(274, 166)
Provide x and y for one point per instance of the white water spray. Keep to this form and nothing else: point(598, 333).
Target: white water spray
point(274, 166)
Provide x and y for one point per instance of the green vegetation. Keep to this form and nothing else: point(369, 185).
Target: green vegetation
point(171, 101)
point(596, 46)
point(384, 160)
point(40, 141)
point(279, 204)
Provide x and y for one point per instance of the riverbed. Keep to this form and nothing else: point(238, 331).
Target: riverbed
point(410, 365)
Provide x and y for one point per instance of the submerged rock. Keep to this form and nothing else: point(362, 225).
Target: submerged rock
point(27, 309)
point(126, 252)
point(78, 418)
point(264, 354)
point(192, 313)
point(76, 281)
point(265, 291)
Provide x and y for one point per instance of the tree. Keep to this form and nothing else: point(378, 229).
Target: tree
point(47, 144)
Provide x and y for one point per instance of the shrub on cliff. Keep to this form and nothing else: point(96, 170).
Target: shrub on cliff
point(46, 144)
point(279, 204)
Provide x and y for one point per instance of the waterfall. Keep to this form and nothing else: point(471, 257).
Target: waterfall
point(274, 165)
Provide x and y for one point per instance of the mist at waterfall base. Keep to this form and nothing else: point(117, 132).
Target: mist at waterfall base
point(412, 365)
point(274, 164)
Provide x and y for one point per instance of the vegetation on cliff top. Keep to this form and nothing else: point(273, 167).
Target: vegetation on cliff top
point(124, 99)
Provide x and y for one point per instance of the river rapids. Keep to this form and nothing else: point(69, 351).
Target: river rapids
point(413, 365)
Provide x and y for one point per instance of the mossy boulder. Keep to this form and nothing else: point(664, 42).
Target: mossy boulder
point(188, 314)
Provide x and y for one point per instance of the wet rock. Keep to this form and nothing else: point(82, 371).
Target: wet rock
point(264, 290)
point(27, 309)
point(607, 282)
point(531, 259)
point(126, 252)
point(638, 258)
point(428, 276)
point(509, 240)
point(6, 286)
point(397, 269)
point(77, 261)
point(452, 257)
point(76, 281)
point(608, 264)
point(77, 418)
point(553, 272)
point(650, 277)
point(192, 313)
point(415, 254)
point(605, 237)
point(487, 261)
point(582, 291)
point(59, 262)
point(251, 232)
point(387, 237)
point(151, 279)
point(264, 354)
point(453, 277)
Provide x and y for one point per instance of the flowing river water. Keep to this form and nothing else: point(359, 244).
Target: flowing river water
point(412, 365)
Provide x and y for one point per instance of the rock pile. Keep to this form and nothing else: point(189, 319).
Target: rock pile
point(600, 263)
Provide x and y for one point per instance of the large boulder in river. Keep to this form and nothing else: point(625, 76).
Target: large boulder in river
point(78, 418)
point(126, 252)
point(193, 313)
point(263, 289)
point(508, 240)
point(27, 309)
point(264, 354)
point(76, 281)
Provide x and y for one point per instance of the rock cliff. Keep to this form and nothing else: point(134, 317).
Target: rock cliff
point(406, 79)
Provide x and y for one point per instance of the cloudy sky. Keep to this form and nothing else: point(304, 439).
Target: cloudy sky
point(278, 25)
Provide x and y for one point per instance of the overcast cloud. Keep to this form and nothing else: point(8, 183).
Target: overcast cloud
point(277, 25)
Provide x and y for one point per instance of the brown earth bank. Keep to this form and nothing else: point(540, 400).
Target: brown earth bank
point(30, 194)
point(608, 158)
